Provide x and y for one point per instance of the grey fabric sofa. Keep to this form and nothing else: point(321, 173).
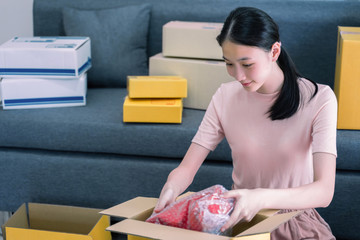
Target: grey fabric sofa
point(86, 156)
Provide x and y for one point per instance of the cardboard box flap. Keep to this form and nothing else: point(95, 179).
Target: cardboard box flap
point(19, 219)
point(268, 212)
point(98, 231)
point(132, 208)
point(62, 218)
point(270, 223)
point(157, 231)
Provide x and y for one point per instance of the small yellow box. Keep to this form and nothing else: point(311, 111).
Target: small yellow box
point(347, 78)
point(157, 87)
point(44, 221)
point(154, 110)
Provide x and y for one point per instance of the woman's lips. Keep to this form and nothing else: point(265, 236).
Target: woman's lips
point(245, 84)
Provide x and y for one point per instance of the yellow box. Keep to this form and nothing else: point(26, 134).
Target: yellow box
point(157, 87)
point(204, 77)
point(137, 210)
point(44, 221)
point(152, 110)
point(347, 78)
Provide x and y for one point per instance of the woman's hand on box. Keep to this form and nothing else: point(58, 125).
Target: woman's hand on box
point(247, 205)
point(167, 196)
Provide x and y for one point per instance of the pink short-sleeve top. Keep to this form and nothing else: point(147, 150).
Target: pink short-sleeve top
point(267, 153)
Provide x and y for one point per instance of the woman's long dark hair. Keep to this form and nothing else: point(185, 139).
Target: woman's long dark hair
point(253, 27)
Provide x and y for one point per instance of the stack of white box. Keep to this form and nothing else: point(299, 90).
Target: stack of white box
point(190, 50)
point(42, 72)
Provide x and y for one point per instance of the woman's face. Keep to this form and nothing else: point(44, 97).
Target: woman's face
point(255, 68)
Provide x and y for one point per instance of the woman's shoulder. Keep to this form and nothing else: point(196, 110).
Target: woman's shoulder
point(229, 88)
point(324, 93)
point(227, 92)
point(230, 85)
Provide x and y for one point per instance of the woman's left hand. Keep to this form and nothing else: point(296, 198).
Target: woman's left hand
point(247, 204)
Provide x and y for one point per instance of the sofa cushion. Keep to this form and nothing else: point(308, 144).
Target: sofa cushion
point(98, 128)
point(118, 41)
point(86, 129)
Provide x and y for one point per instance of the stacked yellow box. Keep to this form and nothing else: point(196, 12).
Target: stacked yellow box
point(190, 50)
point(347, 76)
point(154, 99)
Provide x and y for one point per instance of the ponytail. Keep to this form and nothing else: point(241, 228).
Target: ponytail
point(288, 101)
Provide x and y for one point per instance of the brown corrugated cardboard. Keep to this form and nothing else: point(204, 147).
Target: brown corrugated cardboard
point(192, 40)
point(204, 77)
point(139, 209)
point(134, 208)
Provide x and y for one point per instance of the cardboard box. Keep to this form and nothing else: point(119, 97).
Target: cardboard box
point(154, 110)
point(192, 40)
point(204, 77)
point(44, 221)
point(157, 87)
point(137, 210)
point(347, 78)
point(45, 56)
point(23, 93)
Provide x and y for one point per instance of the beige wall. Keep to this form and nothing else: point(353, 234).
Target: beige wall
point(15, 19)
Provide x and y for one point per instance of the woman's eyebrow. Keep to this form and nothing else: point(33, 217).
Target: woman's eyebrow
point(240, 59)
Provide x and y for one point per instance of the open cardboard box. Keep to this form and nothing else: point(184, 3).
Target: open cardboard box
point(44, 222)
point(137, 210)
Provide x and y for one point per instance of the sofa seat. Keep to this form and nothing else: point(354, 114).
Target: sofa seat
point(86, 129)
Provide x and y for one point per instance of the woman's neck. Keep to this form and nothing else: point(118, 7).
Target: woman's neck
point(275, 83)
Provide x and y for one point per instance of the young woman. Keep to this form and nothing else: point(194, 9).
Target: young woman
point(280, 126)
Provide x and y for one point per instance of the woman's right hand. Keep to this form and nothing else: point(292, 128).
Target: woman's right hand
point(167, 196)
point(181, 177)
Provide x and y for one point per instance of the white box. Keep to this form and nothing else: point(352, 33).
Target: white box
point(204, 77)
point(192, 40)
point(25, 93)
point(45, 56)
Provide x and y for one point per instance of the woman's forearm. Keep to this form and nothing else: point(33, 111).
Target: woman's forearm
point(319, 193)
point(182, 176)
point(307, 196)
point(316, 194)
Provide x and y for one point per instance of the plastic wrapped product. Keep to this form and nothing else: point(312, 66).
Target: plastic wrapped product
point(203, 211)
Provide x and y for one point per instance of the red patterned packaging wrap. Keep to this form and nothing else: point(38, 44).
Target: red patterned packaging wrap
point(203, 211)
